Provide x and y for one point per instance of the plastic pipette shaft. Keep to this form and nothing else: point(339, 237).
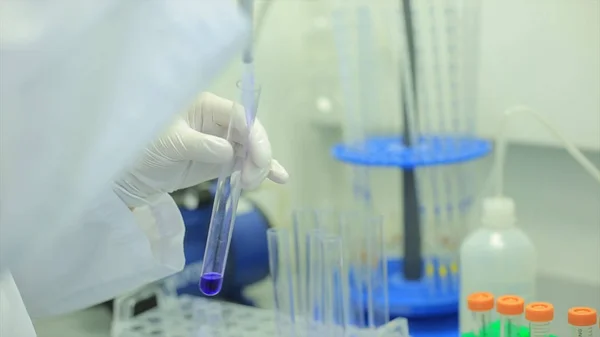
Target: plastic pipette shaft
point(229, 186)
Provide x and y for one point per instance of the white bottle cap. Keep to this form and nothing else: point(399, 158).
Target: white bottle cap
point(498, 212)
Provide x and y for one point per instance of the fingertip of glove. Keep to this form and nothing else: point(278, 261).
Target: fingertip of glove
point(253, 176)
point(278, 173)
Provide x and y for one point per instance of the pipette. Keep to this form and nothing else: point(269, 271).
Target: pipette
point(229, 184)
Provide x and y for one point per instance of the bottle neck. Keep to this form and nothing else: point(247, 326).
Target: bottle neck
point(499, 222)
point(498, 212)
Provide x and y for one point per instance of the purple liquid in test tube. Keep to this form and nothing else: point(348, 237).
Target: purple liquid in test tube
point(211, 283)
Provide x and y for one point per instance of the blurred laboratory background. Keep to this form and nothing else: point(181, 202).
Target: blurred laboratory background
point(397, 110)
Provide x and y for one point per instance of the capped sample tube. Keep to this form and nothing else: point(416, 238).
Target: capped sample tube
point(511, 310)
point(540, 316)
point(481, 305)
point(583, 321)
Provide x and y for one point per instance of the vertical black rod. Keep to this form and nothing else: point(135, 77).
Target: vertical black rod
point(413, 262)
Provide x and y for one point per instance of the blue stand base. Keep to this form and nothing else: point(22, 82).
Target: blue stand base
point(424, 298)
point(444, 326)
point(430, 305)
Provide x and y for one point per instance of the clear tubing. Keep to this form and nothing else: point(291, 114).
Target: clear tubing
point(501, 146)
point(481, 323)
point(229, 188)
point(582, 331)
point(336, 304)
point(539, 329)
point(280, 265)
point(510, 325)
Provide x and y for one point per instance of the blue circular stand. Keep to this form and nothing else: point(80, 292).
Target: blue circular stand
point(429, 151)
point(431, 306)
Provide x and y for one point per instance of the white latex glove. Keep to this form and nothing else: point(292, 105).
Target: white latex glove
point(193, 150)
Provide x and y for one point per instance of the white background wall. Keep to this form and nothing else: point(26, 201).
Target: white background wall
point(545, 54)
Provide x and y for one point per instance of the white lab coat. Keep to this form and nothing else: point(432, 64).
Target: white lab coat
point(85, 84)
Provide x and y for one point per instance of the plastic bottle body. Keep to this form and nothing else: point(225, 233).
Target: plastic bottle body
point(539, 329)
point(582, 331)
point(496, 259)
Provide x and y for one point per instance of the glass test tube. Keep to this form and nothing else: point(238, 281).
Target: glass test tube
point(229, 189)
point(511, 310)
point(336, 303)
point(316, 296)
point(583, 321)
point(481, 305)
point(280, 265)
point(540, 316)
point(304, 221)
point(357, 267)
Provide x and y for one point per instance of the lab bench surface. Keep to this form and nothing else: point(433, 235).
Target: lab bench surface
point(95, 322)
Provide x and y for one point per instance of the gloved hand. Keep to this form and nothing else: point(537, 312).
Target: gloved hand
point(193, 150)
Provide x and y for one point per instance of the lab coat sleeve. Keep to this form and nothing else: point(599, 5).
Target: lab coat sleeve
point(14, 321)
point(111, 251)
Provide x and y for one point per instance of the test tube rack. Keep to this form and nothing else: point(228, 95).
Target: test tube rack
point(191, 316)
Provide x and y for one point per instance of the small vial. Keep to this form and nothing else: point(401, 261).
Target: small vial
point(481, 305)
point(540, 316)
point(510, 308)
point(583, 321)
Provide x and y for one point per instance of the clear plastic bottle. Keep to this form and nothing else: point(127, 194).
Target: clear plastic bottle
point(498, 258)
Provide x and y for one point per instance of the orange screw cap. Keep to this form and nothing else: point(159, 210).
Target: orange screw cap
point(510, 305)
point(480, 301)
point(539, 312)
point(581, 316)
